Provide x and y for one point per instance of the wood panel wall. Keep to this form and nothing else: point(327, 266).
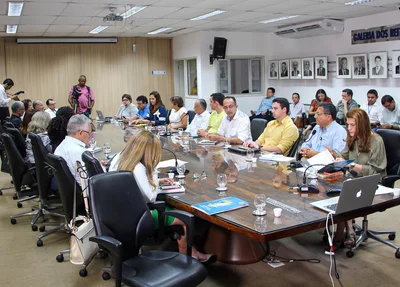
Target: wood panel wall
point(2, 61)
point(49, 70)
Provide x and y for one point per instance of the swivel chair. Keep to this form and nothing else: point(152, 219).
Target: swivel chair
point(18, 139)
point(293, 149)
point(257, 127)
point(124, 223)
point(92, 165)
point(191, 114)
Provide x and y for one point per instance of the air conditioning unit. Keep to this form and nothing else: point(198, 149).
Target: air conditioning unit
point(311, 29)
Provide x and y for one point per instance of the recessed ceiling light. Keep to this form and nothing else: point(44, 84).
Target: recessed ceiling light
point(15, 8)
point(358, 2)
point(12, 29)
point(158, 31)
point(214, 13)
point(133, 11)
point(278, 19)
point(98, 29)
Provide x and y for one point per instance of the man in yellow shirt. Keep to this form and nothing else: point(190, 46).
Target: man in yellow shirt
point(216, 104)
point(281, 133)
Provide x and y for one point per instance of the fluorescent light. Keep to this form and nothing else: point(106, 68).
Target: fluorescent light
point(98, 29)
point(132, 11)
point(358, 2)
point(278, 19)
point(15, 8)
point(214, 13)
point(158, 31)
point(12, 29)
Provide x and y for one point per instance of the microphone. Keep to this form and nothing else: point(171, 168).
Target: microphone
point(299, 155)
point(174, 169)
point(304, 187)
point(312, 134)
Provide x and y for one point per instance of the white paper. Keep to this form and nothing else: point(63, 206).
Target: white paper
point(169, 163)
point(276, 157)
point(323, 158)
point(383, 190)
point(175, 188)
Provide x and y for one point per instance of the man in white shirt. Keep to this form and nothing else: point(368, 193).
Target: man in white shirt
point(373, 108)
point(390, 113)
point(5, 98)
point(71, 148)
point(235, 127)
point(200, 120)
point(296, 108)
point(51, 108)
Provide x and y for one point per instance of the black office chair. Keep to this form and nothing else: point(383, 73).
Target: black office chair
point(124, 223)
point(8, 124)
point(5, 167)
point(47, 196)
point(191, 115)
point(391, 139)
point(257, 127)
point(293, 150)
point(92, 165)
point(18, 139)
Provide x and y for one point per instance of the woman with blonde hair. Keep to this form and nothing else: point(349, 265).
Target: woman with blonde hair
point(38, 125)
point(141, 155)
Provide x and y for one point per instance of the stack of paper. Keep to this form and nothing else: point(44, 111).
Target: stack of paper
point(167, 189)
point(276, 157)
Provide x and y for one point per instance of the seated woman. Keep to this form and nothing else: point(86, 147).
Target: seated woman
point(127, 109)
point(320, 97)
point(38, 125)
point(178, 117)
point(158, 113)
point(141, 155)
point(57, 129)
point(367, 150)
point(25, 122)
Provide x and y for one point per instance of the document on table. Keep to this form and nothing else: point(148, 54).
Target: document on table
point(167, 189)
point(384, 190)
point(169, 163)
point(276, 157)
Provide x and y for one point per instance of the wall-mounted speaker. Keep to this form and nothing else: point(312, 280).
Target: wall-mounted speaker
point(219, 48)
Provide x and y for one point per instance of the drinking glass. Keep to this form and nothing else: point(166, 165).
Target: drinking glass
point(221, 181)
point(180, 132)
point(185, 140)
point(259, 203)
point(181, 170)
point(92, 144)
point(106, 149)
point(260, 224)
point(250, 154)
point(227, 142)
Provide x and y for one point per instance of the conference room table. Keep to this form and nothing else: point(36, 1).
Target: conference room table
point(237, 236)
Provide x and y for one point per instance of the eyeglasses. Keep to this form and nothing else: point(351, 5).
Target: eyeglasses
point(318, 114)
point(86, 132)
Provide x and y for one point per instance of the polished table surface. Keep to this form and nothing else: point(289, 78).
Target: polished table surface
point(273, 180)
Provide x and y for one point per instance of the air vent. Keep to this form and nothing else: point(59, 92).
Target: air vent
point(283, 32)
point(307, 28)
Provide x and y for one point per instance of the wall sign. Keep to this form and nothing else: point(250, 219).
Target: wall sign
point(158, 72)
point(376, 34)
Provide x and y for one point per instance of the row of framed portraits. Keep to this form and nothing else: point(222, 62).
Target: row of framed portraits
point(349, 66)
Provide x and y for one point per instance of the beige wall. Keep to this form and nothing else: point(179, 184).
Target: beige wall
point(49, 70)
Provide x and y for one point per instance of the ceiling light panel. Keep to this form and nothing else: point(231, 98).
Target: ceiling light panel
point(208, 15)
point(158, 31)
point(15, 8)
point(98, 29)
point(358, 2)
point(12, 29)
point(132, 11)
point(278, 19)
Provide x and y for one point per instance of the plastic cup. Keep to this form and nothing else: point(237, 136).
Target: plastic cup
point(171, 175)
point(277, 212)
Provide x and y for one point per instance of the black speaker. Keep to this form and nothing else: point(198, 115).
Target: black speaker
point(219, 48)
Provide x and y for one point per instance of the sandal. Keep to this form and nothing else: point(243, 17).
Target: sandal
point(337, 244)
point(350, 241)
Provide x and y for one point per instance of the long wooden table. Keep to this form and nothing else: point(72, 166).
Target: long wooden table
point(236, 235)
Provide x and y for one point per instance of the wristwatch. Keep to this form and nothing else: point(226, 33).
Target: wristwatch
point(353, 164)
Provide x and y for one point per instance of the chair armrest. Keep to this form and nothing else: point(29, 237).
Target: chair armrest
point(188, 219)
point(389, 180)
point(160, 207)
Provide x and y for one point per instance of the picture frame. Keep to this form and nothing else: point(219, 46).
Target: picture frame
point(284, 69)
point(308, 68)
point(378, 65)
point(360, 67)
point(321, 67)
point(295, 69)
point(396, 64)
point(343, 67)
point(273, 70)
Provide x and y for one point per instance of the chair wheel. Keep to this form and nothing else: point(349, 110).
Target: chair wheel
point(13, 221)
point(60, 258)
point(15, 197)
point(106, 276)
point(39, 243)
point(351, 253)
point(1, 193)
point(83, 272)
point(34, 227)
point(392, 236)
point(42, 228)
point(19, 204)
point(397, 254)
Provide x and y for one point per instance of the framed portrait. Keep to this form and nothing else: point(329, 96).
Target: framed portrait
point(308, 68)
point(273, 69)
point(295, 69)
point(396, 64)
point(284, 69)
point(321, 67)
point(378, 65)
point(360, 68)
point(343, 67)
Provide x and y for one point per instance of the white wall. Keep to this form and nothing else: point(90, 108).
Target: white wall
point(271, 47)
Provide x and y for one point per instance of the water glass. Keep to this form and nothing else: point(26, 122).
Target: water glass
point(180, 132)
point(260, 203)
point(221, 180)
point(181, 170)
point(185, 140)
point(260, 224)
point(106, 149)
point(250, 154)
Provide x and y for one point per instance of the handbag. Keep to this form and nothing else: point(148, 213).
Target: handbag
point(81, 249)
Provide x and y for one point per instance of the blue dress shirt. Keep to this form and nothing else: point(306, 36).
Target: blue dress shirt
point(333, 136)
point(266, 104)
point(142, 114)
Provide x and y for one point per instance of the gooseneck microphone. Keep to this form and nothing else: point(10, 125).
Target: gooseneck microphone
point(299, 155)
point(304, 187)
point(312, 134)
point(175, 168)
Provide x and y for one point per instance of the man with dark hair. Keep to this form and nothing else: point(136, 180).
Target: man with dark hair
point(296, 108)
point(264, 110)
point(359, 66)
point(321, 70)
point(51, 108)
point(18, 109)
point(215, 119)
point(373, 108)
point(328, 133)
point(200, 120)
point(390, 113)
point(81, 97)
point(378, 69)
point(5, 98)
point(343, 67)
point(344, 105)
point(143, 109)
point(235, 127)
point(281, 133)
point(284, 70)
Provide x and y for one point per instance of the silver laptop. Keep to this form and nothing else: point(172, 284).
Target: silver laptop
point(356, 193)
point(100, 115)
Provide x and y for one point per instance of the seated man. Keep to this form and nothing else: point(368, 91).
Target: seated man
point(200, 120)
point(390, 113)
point(51, 108)
point(38, 105)
point(235, 127)
point(327, 132)
point(143, 109)
point(373, 108)
point(71, 148)
point(264, 110)
point(297, 110)
point(346, 104)
point(280, 134)
point(17, 109)
point(215, 119)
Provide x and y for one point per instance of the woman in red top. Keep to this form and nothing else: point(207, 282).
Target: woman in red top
point(320, 97)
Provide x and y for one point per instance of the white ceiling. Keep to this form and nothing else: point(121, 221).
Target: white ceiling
point(75, 18)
